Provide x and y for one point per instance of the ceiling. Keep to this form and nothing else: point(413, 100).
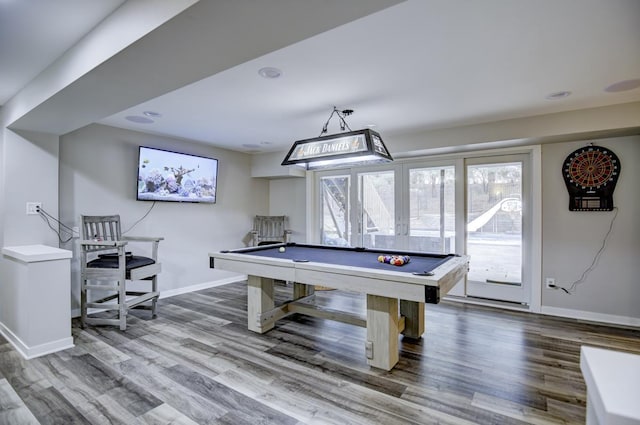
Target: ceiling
point(415, 66)
point(34, 33)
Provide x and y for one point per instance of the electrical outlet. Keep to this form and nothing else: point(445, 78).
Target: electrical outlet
point(549, 282)
point(33, 208)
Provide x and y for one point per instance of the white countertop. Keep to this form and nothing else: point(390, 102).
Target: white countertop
point(35, 253)
point(613, 384)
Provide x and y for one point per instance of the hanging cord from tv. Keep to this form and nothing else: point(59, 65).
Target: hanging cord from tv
point(596, 258)
point(141, 218)
point(63, 228)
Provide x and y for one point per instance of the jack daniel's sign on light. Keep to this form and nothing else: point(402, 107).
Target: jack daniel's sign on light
point(338, 149)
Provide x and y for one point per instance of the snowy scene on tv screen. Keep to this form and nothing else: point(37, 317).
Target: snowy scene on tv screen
point(170, 176)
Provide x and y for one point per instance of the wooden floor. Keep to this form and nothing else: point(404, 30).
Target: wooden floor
point(197, 363)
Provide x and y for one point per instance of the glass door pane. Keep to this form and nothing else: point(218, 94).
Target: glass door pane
point(432, 209)
point(335, 228)
point(376, 209)
point(494, 229)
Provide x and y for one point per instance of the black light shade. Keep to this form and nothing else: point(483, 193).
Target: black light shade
point(339, 150)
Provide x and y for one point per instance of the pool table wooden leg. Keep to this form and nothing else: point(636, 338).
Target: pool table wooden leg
point(259, 300)
point(413, 313)
point(300, 290)
point(382, 331)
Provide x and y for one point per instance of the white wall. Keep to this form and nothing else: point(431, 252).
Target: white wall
point(613, 120)
point(3, 136)
point(98, 167)
point(288, 197)
point(30, 174)
point(572, 239)
point(287, 191)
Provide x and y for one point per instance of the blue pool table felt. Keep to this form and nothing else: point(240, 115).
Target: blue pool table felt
point(420, 262)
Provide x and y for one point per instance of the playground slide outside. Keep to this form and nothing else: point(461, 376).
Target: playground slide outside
point(507, 204)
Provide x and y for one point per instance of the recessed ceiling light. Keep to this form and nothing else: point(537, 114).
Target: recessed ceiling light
point(138, 119)
point(623, 85)
point(152, 114)
point(558, 95)
point(371, 126)
point(269, 72)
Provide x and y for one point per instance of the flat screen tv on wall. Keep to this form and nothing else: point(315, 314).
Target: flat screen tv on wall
point(176, 177)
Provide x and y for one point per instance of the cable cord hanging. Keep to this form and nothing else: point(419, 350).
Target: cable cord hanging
point(141, 218)
point(596, 258)
point(63, 228)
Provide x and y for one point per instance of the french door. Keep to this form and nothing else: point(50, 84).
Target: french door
point(335, 209)
point(409, 207)
point(497, 226)
point(473, 206)
point(358, 209)
point(429, 208)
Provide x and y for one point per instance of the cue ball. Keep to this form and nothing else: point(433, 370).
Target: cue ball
point(281, 249)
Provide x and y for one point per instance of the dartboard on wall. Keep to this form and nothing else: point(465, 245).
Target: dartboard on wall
point(591, 174)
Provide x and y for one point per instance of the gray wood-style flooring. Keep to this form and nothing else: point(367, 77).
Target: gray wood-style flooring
point(198, 363)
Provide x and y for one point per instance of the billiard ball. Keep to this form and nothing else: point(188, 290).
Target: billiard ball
point(281, 249)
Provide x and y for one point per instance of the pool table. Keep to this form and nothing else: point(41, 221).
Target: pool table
point(396, 295)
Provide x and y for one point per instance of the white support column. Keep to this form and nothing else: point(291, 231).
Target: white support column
point(35, 299)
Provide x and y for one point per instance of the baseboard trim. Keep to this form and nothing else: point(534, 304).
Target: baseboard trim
point(610, 319)
point(38, 350)
point(489, 303)
point(587, 316)
point(201, 286)
point(178, 291)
